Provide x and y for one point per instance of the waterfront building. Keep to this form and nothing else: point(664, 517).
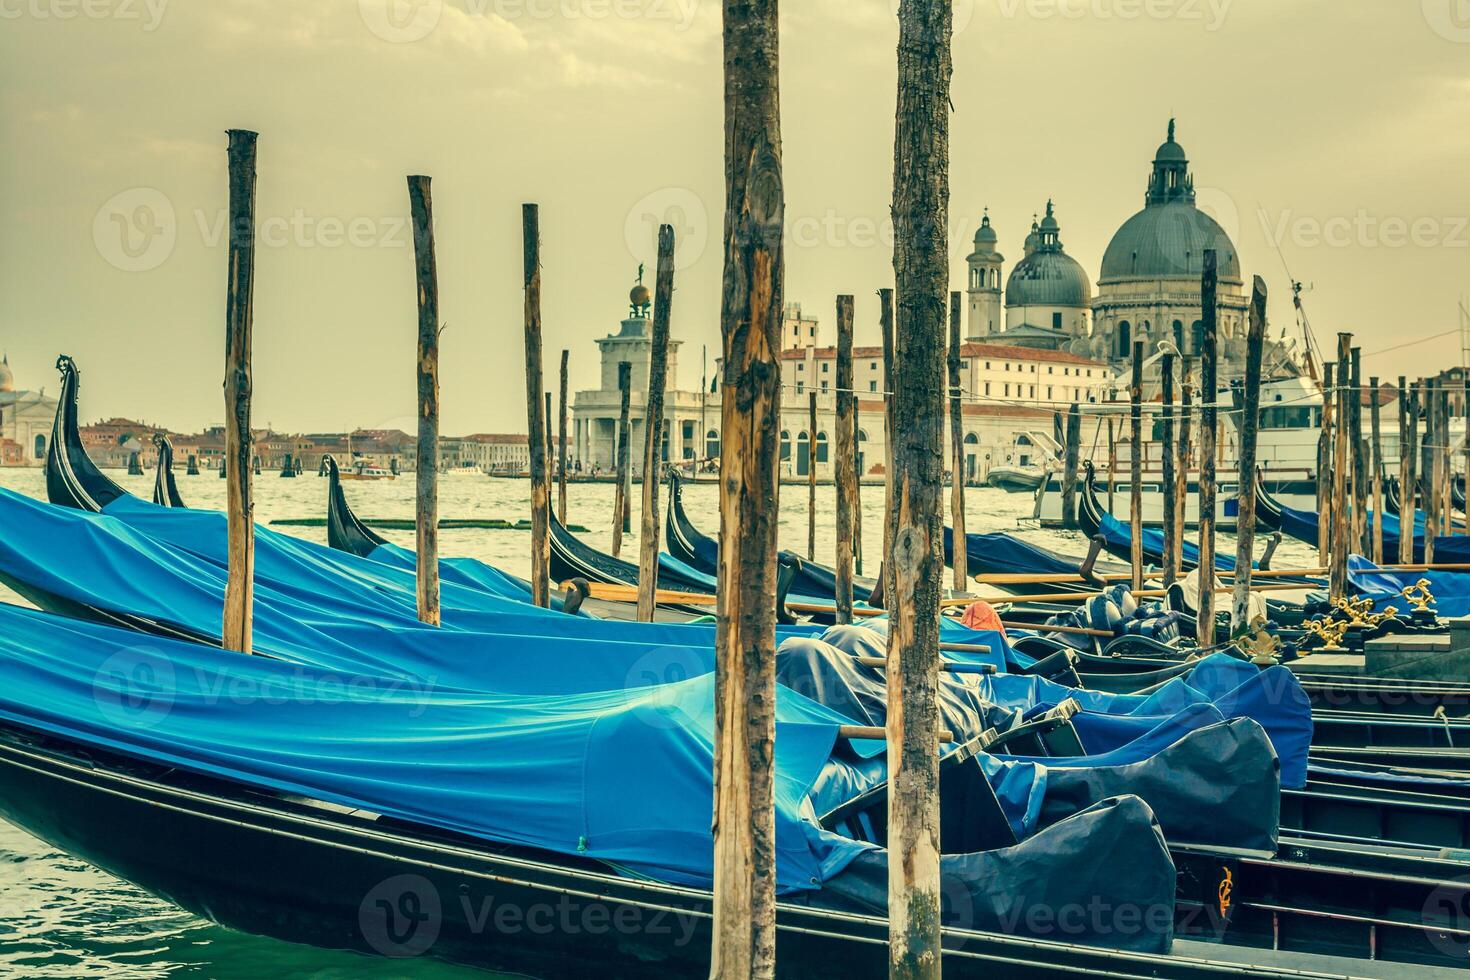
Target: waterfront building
point(25, 421)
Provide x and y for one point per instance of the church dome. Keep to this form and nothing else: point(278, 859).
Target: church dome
point(1048, 276)
point(1168, 241)
point(985, 235)
point(7, 378)
point(1168, 238)
point(1048, 279)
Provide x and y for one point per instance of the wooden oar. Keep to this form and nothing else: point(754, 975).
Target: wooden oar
point(626, 593)
point(1016, 600)
point(880, 734)
point(1060, 578)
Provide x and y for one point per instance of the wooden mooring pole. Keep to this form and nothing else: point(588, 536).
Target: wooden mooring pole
point(1342, 437)
point(1112, 463)
point(653, 423)
point(561, 448)
point(959, 553)
point(1408, 458)
point(1208, 434)
point(1170, 570)
point(890, 357)
point(620, 492)
point(921, 272)
point(1181, 476)
point(811, 475)
point(1135, 466)
point(1429, 473)
point(1245, 528)
point(540, 497)
point(426, 467)
point(857, 493)
point(1324, 464)
point(845, 467)
point(1358, 461)
point(1072, 449)
point(239, 444)
point(1375, 428)
point(744, 827)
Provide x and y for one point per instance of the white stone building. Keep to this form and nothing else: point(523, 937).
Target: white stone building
point(25, 422)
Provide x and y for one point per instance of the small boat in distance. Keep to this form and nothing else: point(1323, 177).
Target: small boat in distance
point(362, 471)
point(1026, 464)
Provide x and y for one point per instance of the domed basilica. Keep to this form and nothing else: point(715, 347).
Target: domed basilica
point(1148, 289)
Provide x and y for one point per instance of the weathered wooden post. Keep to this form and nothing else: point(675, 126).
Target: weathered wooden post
point(1112, 463)
point(921, 271)
point(1465, 405)
point(1170, 570)
point(1324, 464)
point(1245, 529)
point(1181, 477)
point(1427, 471)
point(536, 446)
point(845, 468)
point(811, 476)
point(239, 445)
point(745, 661)
point(1337, 565)
point(890, 359)
point(1374, 421)
point(1072, 449)
point(426, 474)
point(561, 449)
point(1135, 466)
point(621, 491)
point(959, 553)
point(1408, 456)
point(1208, 433)
point(857, 493)
point(653, 423)
point(1443, 457)
point(1357, 458)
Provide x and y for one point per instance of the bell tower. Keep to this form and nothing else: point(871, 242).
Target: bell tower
point(983, 288)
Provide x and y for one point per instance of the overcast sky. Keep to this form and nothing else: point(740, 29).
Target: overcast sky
point(1340, 128)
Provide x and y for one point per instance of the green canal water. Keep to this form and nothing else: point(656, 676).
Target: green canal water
point(61, 918)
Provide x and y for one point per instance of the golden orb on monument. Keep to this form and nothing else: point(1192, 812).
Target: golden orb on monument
point(639, 295)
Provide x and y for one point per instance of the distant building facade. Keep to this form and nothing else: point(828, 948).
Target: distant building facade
point(25, 421)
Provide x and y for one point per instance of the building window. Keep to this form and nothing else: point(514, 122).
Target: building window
point(800, 387)
point(1008, 390)
point(40, 447)
point(1048, 392)
point(1050, 369)
point(1033, 391)
point(1196, 337)
point(711, 444)
point(824, 384)
point(802, 454)
point(987, 388)
point(814, 331)
point(785, 445)
point(1056, 321)
point(825, 366)
point(872, 365)
point(1125, 338)
point(821, 447)
point(872, 386)
point(1178, 329)
point(801, 367)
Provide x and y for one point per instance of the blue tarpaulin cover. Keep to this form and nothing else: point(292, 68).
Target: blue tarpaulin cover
point(1451, 590)
point(622, 776)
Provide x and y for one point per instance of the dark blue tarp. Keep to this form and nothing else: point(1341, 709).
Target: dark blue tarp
point(548, 772)
point(1451, 590)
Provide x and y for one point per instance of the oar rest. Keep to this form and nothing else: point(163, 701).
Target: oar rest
point(970, 816)
point(1050, 734)
point(1060, 667)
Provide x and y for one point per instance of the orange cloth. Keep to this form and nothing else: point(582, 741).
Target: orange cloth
point(981, 615)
